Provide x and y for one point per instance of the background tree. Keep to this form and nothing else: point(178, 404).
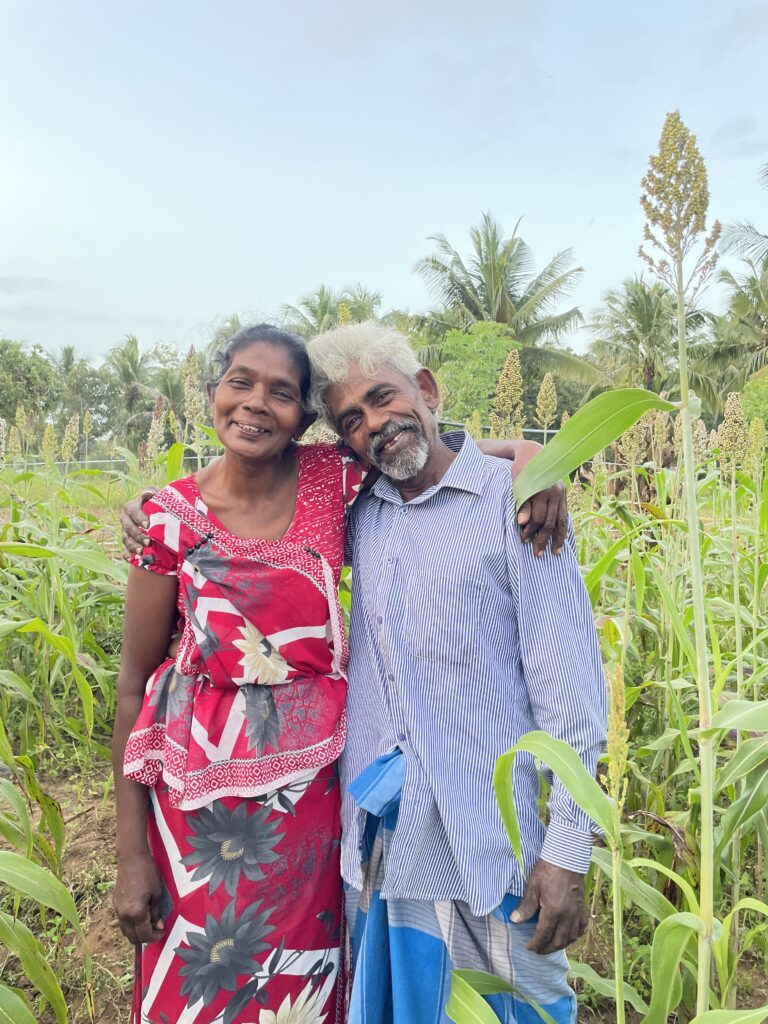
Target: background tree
point(28, 377)
point(319, 310)
point(744, 238)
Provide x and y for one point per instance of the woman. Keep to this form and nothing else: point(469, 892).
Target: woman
point(229, 872)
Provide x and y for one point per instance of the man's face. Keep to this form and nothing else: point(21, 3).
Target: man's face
point(388, 421)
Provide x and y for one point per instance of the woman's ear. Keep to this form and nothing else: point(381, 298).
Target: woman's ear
point(305, 423)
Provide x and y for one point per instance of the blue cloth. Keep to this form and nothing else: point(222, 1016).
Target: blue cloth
point(404, 950)
point(461, 641)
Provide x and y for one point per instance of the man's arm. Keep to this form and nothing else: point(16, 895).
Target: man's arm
point(543, 517)
point(567, 693)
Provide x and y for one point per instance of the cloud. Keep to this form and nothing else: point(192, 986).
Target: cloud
point(14, 285)
point(734, 128)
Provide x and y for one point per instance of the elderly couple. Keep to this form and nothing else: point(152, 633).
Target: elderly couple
point(249, 781)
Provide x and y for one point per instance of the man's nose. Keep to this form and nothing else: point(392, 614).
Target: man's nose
point(375, 419)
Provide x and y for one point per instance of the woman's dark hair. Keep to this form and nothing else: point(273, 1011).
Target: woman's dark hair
point(270, 335)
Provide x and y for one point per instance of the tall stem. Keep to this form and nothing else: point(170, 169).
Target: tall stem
point(618, 933)
point(736, 840)
point(706, 745)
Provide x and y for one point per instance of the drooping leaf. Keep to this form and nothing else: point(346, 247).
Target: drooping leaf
point(606, 986)
point(591, 429)
point(30, 879)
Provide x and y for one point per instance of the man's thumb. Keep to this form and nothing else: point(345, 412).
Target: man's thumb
point(524, 513)
point(527, 907)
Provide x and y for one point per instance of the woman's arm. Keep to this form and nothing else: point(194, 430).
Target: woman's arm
point(544, 515)
point(150, 615)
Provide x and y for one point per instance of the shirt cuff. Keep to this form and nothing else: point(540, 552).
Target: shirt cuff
point(567, 847)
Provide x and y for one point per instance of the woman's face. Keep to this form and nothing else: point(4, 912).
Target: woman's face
point(256, 406)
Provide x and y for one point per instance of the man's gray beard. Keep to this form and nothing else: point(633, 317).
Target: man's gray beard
point(408, 462)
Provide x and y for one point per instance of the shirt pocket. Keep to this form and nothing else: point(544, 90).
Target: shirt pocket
point(444, 618)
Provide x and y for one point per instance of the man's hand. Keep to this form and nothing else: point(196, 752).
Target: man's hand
point(135, 524)
point(558, 895)
point(543, 517)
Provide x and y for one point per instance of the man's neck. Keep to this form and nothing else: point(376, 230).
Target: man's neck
point(439, 459)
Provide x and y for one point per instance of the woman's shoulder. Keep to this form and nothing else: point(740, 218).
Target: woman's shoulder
point(320, 458)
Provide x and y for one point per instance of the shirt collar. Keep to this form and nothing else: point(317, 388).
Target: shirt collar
point(467, 472)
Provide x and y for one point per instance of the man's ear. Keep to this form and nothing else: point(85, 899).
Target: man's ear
point(430, 392)
point(305, 423)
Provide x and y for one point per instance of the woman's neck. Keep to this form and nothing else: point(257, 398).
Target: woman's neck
point(246, 480)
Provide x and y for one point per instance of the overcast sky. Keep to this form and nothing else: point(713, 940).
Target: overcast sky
point(164, 164)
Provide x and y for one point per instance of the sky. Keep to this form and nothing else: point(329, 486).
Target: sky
point(166, 164)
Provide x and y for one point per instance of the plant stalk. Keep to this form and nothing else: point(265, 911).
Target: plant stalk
point(706, 745)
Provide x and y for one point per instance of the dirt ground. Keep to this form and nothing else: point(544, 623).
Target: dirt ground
point(90, 871)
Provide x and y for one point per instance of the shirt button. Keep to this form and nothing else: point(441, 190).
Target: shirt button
point(379, 619)
point(390, 679)
point(403, 511)
point(400, 737)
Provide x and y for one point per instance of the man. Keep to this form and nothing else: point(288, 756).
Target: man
point(461, 641)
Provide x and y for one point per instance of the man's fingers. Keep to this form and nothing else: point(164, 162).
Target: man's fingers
point(561, 529)
point(527, 906)
point(546, 530)
point(543, 934)
point(524, 513)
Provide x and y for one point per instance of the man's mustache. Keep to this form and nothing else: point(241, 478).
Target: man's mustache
point(387, 432)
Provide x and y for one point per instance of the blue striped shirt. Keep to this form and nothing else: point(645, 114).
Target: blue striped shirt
point(461, 641)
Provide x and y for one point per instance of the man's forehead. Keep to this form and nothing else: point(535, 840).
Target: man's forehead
point(357, 386)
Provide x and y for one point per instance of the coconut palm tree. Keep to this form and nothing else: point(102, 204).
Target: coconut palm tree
point(636, 334)
point(498, 283)
point(744, 238)
point(319, 310)
point(739, 349)
point(134, 370)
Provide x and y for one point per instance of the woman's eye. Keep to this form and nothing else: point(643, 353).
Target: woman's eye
point(237, 382)
point(285, 396)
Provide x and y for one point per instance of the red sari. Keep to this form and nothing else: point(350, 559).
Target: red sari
point(237, 741)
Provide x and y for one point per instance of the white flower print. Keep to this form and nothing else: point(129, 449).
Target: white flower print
point(306, 1010)
point(262, 662)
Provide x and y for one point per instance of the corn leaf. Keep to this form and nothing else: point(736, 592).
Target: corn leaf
point(591, 429)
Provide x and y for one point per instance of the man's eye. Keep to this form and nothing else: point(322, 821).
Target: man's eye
point(352, 423)
point(383, 397)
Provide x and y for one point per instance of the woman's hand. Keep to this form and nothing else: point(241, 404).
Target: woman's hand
point(545, 515)
point(136, 899)
point(135, 524)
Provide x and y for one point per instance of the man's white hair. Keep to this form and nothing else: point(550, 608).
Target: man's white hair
point(369, 345)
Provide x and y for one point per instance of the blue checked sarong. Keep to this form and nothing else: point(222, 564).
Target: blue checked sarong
point(403, 951)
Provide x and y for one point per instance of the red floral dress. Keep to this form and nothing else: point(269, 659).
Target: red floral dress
point(237, 741)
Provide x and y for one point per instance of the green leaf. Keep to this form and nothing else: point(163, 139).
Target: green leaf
point(741, 714)
point(682, 634)
point(485, 984)
point(466, 1006)
point(22, 875)
point(13, 1009)
point(566, 764)
point(590, 430)
point(685, 887)
point(634, 888)
point(65, 646)
point(15, 800)
point(669, 942)
point(174, 461)
point(606, 986)
point(732, 1016)
point(16, 937)
point(638, 574)
point(92, 560)
point(741, 812)
point(750, 754)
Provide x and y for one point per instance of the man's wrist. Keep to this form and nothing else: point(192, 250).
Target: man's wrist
point(567, 847)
